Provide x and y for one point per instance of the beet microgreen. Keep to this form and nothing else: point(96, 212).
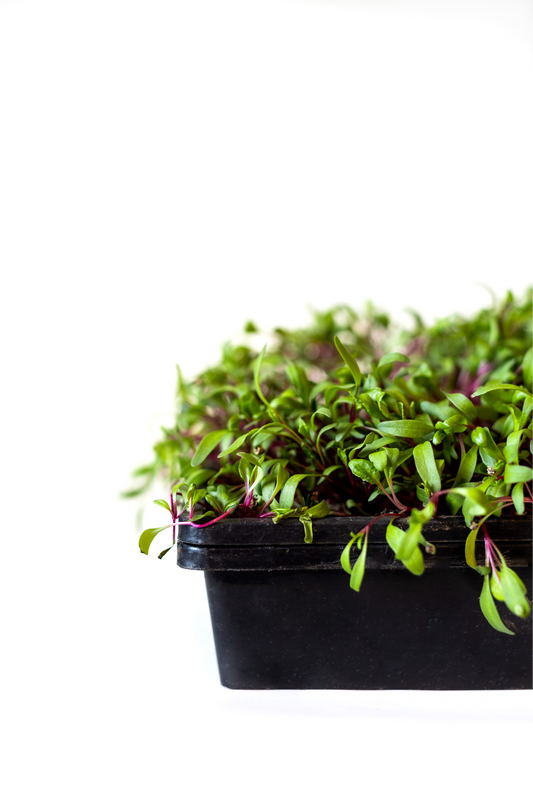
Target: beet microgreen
point(353, 417)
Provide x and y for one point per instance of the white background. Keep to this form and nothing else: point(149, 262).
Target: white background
point(167, 171)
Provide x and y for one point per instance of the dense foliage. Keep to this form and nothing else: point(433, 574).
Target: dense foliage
point(353, 417)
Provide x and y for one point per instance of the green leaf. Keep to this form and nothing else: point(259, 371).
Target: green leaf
point(514, 592)
point(483, 438)
point(164, 552)
point(350, 362)
point(147, 536)
point(466, 467)
point(405, 546)
point(308, 528)
point(320, 411)
point(470, 548)
point(257, 369)
point(393, 357)
point(480, 503)
point(163, 504)
point(407, 543)
point(495, 586)
point(441, 410)
point(423, 516)
point(512, 448)
point(345, 557)
point(236, 444)
point(379, 460)
point(463, 404)
point(282, 475)
point(289, 489)
point(207, 445)
point(426, 466)
point(498, 387)
point(358, 570)
point(415, 563)
point(406, 428)
point(489, 610)
point(318, 511)
point(517, 474)
point(364, 470)
point(517, 495)
point(527, 368)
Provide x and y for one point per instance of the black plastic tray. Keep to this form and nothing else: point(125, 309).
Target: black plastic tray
point(284, 616)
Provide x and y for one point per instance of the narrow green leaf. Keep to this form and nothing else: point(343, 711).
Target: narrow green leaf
point(514, 592)
point(164, 552)
point(517, 474)
point(517, 495)
point(147, 536)
point(393, 357)
point(470, 548)
point(406, 428)
point(330, 470)
point(512, 448)
point(499, 386)
point(489, 610)
point(308, 528)
point(426, 466)
point(527, 366)
point(495, 586)
point(466, 467)
point(415, 563)
point(358, 570)
point(463, 404)
point(408, 543)
point(393, 536)
point(345, 557)
point(289, 489)
point(236, 444)
point(350, 362)
point(207, 445)
point(257, 369)
point(163, 504)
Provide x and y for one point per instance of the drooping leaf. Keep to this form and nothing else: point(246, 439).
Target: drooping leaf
point(358, 570)
point(345, 556)
point(318, 511)
point(470, 548)
point(164, 552)
point(514, 592)
point(163, 504)
point(147, 536)
point(489, 610)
